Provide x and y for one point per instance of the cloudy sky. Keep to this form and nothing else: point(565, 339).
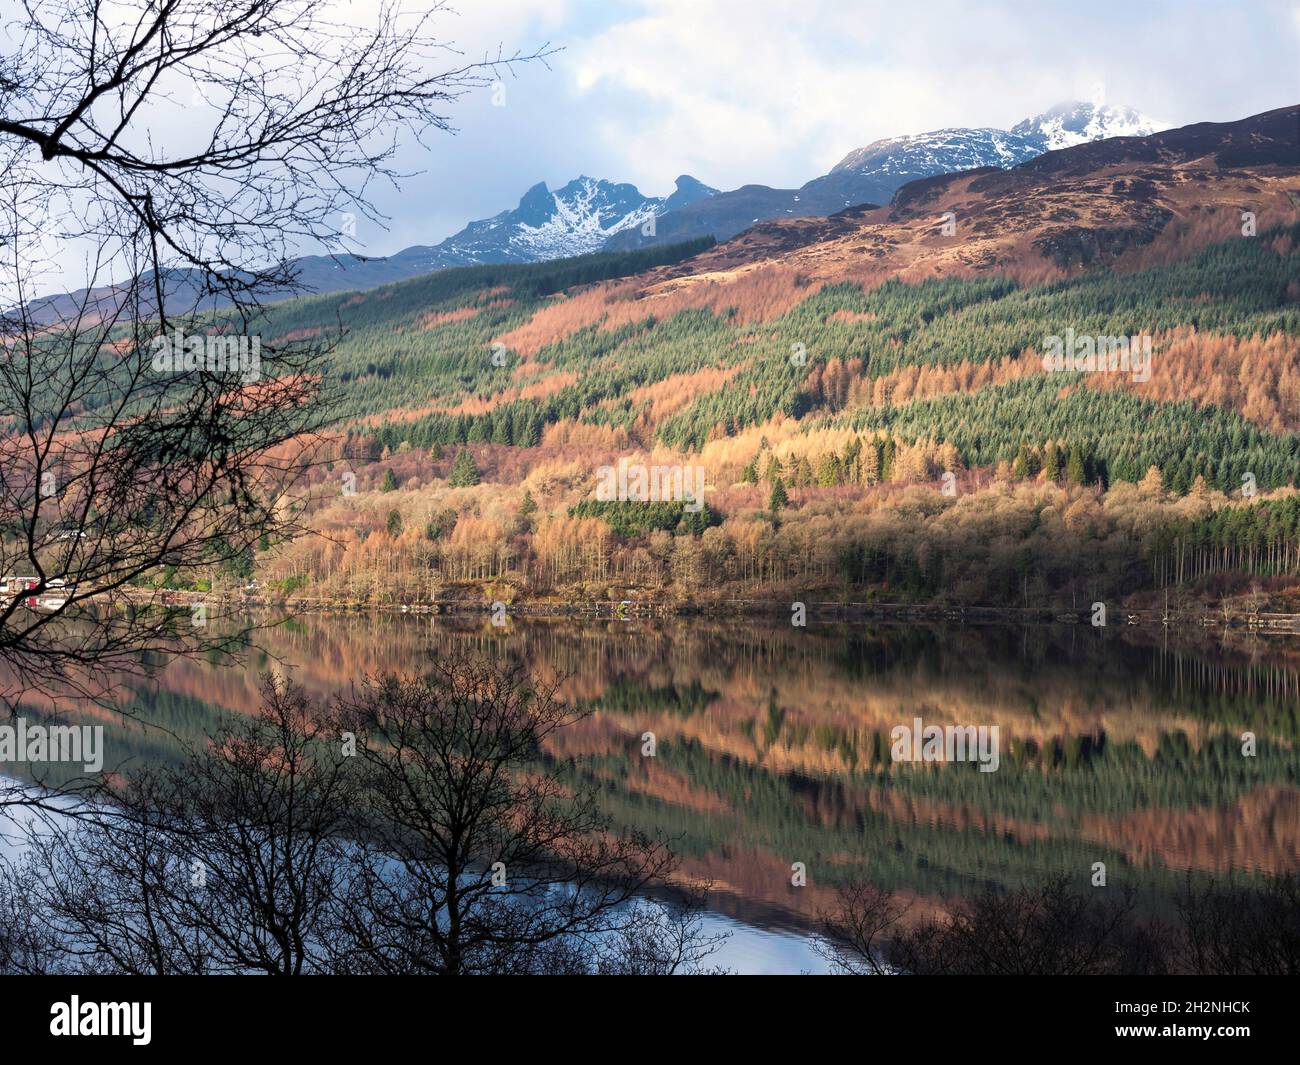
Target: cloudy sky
point(776, 92)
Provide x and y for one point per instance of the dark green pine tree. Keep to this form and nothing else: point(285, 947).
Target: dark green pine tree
point(1055, 463)
point(464, 471)
point(1075, 468)
point(502, 429)
point(887, 450)
point(524, 515)
point(1020, 467)
point(528, 432)
point(779, 499)
point(849, 465)
point(389, 482)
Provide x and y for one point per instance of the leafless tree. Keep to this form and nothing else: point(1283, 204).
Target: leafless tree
point(479, 857)
point(271, 848)
point(180, 153)
point(27, 947)
point(654, 938)
point(1232, 928)
point(226, 863)
point(1042, 929)
point(98, 895)
point(208, 141)
point(665, 938)
point(858, 933)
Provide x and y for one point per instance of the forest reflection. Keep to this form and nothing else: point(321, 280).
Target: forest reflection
point(772, 746)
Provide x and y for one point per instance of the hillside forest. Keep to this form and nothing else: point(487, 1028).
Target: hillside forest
point(866, 438)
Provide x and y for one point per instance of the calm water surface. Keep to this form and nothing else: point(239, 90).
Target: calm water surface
point(773, 747)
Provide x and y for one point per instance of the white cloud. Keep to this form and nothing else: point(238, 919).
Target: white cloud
point(763, 90)
point(775, 92)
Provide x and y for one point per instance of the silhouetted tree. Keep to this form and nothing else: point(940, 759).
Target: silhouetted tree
point(435, 840)
point(477, 857)
point(1239, 930)
point(1046, 929)
point(227, 863)
point(140, 435)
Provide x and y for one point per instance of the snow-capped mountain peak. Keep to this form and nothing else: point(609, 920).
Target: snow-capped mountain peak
point(939, 151)
point(581, 216)
point(947, 150)
point(572, 220)
point(1075, 122)
point(873, 173)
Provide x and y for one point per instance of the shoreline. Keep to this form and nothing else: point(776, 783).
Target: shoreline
point(1201, 618)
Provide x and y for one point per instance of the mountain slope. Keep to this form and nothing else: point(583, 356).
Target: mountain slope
point(865, 394)
point(1072, 207)
point(589, 214)
point(871, 175)
point(690, 351)
point(939, 152)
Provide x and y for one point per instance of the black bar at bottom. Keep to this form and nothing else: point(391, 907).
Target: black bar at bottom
point(380, 1014)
